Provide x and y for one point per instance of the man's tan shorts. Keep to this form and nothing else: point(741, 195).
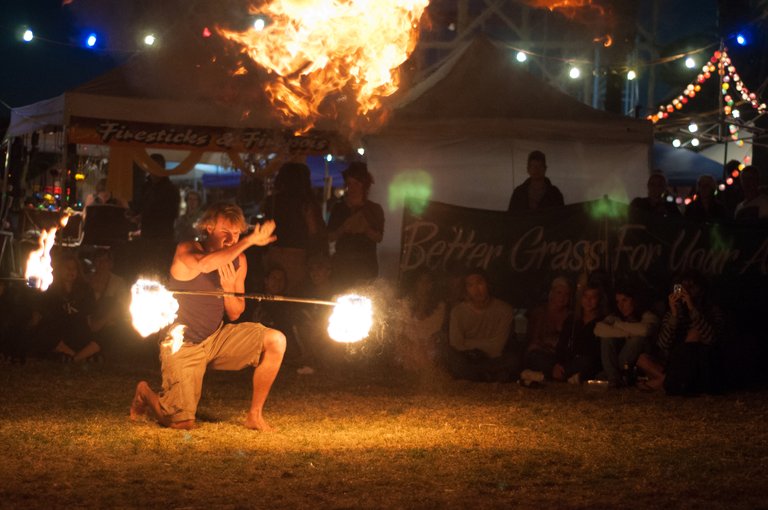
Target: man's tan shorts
point(231, 347)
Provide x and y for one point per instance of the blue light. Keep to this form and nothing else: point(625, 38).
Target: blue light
point(91, 40)
point(741, 39)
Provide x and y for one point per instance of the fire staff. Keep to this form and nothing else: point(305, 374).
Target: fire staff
point(215, 264)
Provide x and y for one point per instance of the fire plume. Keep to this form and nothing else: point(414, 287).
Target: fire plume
point(321, 53)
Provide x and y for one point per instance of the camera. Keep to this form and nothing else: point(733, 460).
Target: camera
point(677, 289)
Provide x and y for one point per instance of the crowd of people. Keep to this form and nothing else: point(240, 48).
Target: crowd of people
point(581, 331)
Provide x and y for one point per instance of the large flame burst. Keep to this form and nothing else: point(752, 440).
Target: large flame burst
point(317, 48)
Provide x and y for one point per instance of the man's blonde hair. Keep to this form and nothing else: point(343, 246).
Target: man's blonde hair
point(230, 212)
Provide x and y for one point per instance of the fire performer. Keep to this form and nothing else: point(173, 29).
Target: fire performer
point(216, 263)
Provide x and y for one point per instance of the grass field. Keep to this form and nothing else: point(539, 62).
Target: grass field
point(365, 438)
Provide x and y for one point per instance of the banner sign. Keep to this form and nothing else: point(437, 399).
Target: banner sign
point(207, 138)
point(522, 252)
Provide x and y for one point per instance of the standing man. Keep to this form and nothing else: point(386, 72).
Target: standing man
point(537, 192)
point(215, 264)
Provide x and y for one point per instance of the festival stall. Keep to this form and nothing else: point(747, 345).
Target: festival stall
point(186, 97)
point(462, 136)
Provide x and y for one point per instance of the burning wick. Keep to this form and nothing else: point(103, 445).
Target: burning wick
point(153, 307)
point(351, 319)
point(39, 272)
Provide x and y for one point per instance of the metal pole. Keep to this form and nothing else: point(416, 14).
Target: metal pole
point(257, 297)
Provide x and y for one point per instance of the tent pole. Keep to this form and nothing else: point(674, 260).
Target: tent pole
point(6, 169)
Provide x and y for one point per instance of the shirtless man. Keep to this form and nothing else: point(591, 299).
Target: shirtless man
point(216, 263)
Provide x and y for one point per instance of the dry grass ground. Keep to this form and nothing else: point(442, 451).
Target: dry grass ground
point(364, 439)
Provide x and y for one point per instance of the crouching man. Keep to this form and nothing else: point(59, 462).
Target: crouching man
point(215, 264)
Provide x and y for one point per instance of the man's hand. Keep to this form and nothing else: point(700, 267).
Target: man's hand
point(356, 224)
point(262, 234)
point(228, 277)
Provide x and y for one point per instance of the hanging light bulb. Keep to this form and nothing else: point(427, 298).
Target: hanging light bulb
point(521, 56)
point(695, 142)
point(676, 143)
point(692, 127)
point(631, 75)
point(690, 63)
point(574, 73)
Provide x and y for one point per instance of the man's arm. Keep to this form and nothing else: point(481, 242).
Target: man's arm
point(233, 281)
point(190, 259)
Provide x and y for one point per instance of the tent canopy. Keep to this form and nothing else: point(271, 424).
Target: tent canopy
point(481, 90)
point(463, 135)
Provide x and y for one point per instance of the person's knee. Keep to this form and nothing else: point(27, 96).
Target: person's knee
point(274, 341)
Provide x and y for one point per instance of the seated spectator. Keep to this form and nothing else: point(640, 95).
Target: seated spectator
point(479, 334)
point(706, 208)
point(537, 191)
point(313, 323)
point(111, 294)
point(655, 204)
point(755, 204)
point(545, 325)
point(578, 349)
point(683, 361)
point(420, 324)
point(63, 322)
point(184, 226)
point(625, 335)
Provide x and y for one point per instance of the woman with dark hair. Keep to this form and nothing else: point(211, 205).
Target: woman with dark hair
point(578, 349)
point(421, 321)
point(682, 362)
point(356, 225)
point(300, 229)
point(625, 335)
point(545, 326)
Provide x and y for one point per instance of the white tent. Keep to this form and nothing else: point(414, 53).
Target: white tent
point(465, 133)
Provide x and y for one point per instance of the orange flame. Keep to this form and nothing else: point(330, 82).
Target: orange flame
point(342, 50)
point(39, 271)
point(567, 7)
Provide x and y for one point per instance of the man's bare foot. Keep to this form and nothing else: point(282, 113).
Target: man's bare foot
point(138, 407)
point(182, 425)
point(146, 402)
point(255, 421)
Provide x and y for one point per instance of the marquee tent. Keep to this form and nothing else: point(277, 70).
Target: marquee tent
point(462, 136)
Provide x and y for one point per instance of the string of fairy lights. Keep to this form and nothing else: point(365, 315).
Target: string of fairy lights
point(731, 88)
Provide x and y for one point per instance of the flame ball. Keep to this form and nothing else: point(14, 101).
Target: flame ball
point(351, 320)
point(152, 307)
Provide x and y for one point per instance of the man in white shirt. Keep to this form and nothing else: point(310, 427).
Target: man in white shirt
point(479, 334)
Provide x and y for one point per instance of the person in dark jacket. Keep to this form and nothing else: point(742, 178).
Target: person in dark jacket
point(537, 192)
